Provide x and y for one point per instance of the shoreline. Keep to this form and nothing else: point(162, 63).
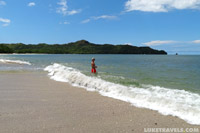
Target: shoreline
point(95, 54)
point(31, 102)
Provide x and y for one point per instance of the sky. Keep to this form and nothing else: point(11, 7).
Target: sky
point(170, 25)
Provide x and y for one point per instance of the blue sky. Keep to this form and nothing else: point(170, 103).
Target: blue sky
point(171, 25)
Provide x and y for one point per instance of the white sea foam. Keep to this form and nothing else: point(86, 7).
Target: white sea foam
point(180, 103)
point(15, 62)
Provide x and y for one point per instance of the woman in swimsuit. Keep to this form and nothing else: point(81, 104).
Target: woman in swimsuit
point(93, 70)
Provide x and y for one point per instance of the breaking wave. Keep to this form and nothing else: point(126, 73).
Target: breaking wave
point(180, 103)
point(15, 62)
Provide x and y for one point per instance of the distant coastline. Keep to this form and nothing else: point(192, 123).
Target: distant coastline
point(79, 47)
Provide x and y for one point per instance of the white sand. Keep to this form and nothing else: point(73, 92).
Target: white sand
point(31, 102)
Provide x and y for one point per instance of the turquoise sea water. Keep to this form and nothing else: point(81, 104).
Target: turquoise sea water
point(167, 83)
point(180, 72)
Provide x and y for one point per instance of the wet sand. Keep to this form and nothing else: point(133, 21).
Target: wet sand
point(31, 102)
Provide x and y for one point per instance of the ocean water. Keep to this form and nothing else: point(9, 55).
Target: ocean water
point(166, 83)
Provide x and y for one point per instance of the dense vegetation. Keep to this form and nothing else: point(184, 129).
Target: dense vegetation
point(79, 47)
point(5, 49)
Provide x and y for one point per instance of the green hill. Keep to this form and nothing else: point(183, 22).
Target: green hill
point(79, 47)
point(5, 49)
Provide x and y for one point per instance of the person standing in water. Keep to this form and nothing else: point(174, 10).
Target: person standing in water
point(93, 70)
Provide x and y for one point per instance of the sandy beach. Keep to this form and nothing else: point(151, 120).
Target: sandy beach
point(31, 102)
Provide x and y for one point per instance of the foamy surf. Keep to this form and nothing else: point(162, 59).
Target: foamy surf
point(180, 103)
point(15, 62)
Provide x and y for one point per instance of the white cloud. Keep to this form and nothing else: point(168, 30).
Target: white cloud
point(105, 17)
point(63, 9)
point(72, 12)
point(31, 4)
point(65, 22)
point(5, 22)
point(99, 17)
point(2, 3)
point(161, 5)
point(130, 44)
point(86, 21)
point(196, 41)
point(158, 42)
